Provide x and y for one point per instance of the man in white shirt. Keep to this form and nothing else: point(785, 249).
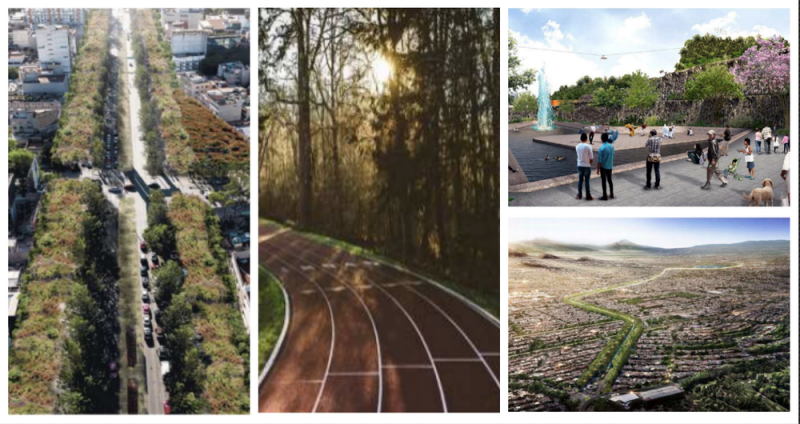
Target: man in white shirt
point(585, 159)
point(592, 129)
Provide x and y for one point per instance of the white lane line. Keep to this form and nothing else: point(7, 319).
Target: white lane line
point(490, 353)
point(460, 330)
point(374, 329)
point(354, 373)
point(457, 359)
point(410, 319)
point(409, 366)
point(333, 333)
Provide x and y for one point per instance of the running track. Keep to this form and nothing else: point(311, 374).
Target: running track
point(366, 337)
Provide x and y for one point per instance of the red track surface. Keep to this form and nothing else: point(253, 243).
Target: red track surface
point(366, 337)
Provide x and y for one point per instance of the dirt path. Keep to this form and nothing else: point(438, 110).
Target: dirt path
point(364, 336)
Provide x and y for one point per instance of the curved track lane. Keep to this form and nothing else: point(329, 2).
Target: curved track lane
point(367, 337)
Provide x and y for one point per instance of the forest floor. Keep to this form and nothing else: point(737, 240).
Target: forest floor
point(365, 335)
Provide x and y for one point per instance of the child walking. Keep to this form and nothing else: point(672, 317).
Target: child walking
point(749, 159)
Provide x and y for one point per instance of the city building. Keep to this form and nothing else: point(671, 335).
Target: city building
point(21, 36)
point(37, 79)
point(661, 394)
point(195, 85)
point(225, 102)
point(33, 119)
point(54, 45)
point(234, 73)
point(190, 18)
point(15, 58)
point(59, 16)
point(188, 49)
point(625, 401)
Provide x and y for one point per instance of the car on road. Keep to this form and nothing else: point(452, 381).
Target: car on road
point(158, 315)
point(147, 322)
point(145, 282)
point(143, 270)
point(114, 190)
point(146, 309)
point(143, 259)
point(148, 333)
point(154, 258)
point(130, 187)
point(145, 296)
point(112, 370)
point(160, 334)
point(163, 353)
point(143, 246)
point(154, 186)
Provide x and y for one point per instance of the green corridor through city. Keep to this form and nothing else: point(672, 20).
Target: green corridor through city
point(622, 343)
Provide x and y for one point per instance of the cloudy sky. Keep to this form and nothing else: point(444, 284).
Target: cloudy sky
point(613, 31)
point(657, 232)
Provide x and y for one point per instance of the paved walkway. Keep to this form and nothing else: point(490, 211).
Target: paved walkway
point(625, 141)
point(680, 181)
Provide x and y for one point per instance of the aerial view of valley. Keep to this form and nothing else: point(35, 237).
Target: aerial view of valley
point(648, 315)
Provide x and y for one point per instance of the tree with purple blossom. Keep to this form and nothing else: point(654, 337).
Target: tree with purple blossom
point(764, 68)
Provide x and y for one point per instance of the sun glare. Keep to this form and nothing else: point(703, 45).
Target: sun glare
point(381, 70)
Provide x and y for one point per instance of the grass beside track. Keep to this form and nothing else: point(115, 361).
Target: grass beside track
point(271, 313)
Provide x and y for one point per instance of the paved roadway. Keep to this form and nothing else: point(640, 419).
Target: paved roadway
point(156, 393)
point(364, 336)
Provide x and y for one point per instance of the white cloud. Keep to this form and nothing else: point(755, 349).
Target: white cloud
point(629, 31)
point(570, 37)
point(628, 63)
point(727, 26)
point(561, 68)
point(527, 10)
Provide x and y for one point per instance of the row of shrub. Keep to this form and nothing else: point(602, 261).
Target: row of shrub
point(159, 82)
point(80, 134)
point(212, 374)
point(66, 336)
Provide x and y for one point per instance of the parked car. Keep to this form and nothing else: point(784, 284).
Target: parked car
point(130, 187)
point(143, 259)
point(154, 258)
point(148, 333)
point(143, 246)
point(147, 322)
point(154, 186)
point(145, 282)
point(145, 296)
point(143, 270)
point(114, 190)
point(146, 309)
point(163, 353)
point(160, 334)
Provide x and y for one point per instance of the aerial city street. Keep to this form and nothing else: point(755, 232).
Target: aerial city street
point(129, 211)
point(697, 320)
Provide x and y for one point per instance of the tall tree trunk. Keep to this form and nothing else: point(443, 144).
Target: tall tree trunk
point(304, 117)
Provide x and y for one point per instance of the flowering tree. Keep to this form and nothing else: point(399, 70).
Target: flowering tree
point(764, 68)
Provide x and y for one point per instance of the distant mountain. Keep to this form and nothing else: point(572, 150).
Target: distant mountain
point(754, 247)
point(541, 245)
point(629, 246)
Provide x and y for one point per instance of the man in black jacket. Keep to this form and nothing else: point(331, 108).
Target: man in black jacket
point(713, 161)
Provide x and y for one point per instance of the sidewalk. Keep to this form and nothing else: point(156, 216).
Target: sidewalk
point(680, 182)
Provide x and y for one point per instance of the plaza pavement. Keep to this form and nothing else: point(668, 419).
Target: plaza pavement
point(680, 182)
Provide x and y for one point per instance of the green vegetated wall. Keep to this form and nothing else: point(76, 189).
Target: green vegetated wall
point(671, 106)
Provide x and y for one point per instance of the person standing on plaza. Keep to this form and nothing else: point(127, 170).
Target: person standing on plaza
point(786, 144)
point(713, 161)
point(592, 129)
point(605, 163)
point(653, 159)
point(766, 133)
point(585, 159)
point(749, 159)
point(758, 141)
point(644, 128)
point(726, 141)
point(776, 143)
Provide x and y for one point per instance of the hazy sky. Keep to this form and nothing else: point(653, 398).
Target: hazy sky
point(610, 31)
point(656, 232)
